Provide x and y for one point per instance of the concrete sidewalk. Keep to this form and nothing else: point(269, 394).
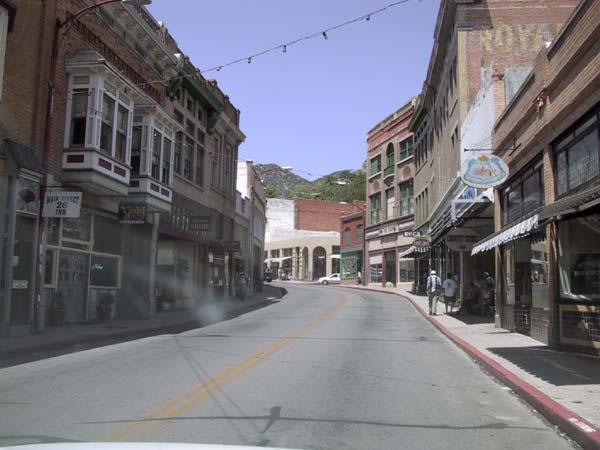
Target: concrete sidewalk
point(562, 386)
point(71, 336)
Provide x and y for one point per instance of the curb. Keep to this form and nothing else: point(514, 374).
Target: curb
point(576, 427)
point(178, 327)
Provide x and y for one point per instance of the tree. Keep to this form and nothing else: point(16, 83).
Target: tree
point(270, 191)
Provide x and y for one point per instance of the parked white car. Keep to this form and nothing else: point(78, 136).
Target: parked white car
point(331, 279)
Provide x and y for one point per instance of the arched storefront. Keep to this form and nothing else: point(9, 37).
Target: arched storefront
point(319, 263)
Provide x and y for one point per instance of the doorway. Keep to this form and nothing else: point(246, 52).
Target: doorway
point(390, 268)
point(73, 284)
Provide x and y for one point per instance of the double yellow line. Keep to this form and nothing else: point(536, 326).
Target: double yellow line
point(187, 400)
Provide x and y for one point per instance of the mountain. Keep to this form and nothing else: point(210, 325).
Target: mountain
point(341, 185)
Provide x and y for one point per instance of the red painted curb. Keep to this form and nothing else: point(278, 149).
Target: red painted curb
point(578, 429)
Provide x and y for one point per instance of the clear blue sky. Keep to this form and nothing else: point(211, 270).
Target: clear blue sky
point(311, 107)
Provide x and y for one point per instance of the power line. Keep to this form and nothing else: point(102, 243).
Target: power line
point(284, 46)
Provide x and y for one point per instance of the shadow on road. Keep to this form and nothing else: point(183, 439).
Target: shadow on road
point(276, 416)
point(553, 366)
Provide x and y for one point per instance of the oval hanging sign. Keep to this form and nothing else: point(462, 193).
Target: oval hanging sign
point(484, 171)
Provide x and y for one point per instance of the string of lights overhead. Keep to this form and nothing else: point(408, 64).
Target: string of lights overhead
point(284, 46)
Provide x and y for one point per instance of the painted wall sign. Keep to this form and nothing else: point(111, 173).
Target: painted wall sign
point(62, 204)
point(484, 171)
point(132, 214)
point(199, 223)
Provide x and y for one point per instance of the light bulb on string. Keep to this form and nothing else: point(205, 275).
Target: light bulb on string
point(285, 49)
point(325, 35)
point(219, 68)
point(249, 60)
point(368, 18)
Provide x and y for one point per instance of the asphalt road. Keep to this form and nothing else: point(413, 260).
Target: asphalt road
point(324, 368)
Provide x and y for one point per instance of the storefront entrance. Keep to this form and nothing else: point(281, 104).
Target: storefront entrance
point(73, 284)
point(390, 268)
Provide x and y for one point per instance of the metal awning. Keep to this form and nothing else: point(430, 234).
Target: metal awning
point(412, 251)
point(572, 204)
point(507, 234)
point(25, 157)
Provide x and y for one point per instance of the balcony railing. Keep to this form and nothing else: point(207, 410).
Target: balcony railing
point(388, 171)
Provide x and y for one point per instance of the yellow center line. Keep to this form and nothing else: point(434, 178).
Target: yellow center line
point(184, 402)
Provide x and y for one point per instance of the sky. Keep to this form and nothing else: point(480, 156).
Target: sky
point(311, 107)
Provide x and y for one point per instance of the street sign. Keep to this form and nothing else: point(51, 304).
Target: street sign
point(62, 204)
point(132, 214)
point(412, 234)
point(199, 223)
point(484, 171)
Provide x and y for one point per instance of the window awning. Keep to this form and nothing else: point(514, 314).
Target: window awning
point(25, 157)
point(572, 204)
point(507, 234)
point(412, 251)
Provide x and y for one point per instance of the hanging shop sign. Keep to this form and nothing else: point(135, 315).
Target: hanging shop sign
point(422, 245)
point(62, 204)
point(199, 223)
point(412, 234)
point(133, 214)
point(484, 171)
point(231, 246)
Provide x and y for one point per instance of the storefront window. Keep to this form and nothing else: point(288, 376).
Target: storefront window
point(524, 193)
point(78, 228)
point(376, 273)
point(508, 275)
point(406, 270)
point(104, 271)
point(27, 195)
point(539, 272)
point(108, 237)
point(579, 258)
point(577, 155)
point(351, 265)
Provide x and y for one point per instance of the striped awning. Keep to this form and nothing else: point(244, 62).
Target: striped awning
point(412, 251)
point(516, 231)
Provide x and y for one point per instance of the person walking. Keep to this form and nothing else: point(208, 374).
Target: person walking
point(434, 284)
point(449, 286)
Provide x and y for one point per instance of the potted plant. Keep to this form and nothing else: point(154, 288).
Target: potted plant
point(56, 310)
point(104, 307)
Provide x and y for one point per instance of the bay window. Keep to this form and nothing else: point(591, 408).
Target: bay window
point(106, 129)
point(136, 150)
point(156, 155)
point(166, 167)
point(79, 108)
point(121, 142)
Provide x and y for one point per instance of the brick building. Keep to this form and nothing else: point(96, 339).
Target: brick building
point(302, 236)
point(547, 239)
point(352, 245)
point(85, 114)
point(388, 253)
point(482, 52)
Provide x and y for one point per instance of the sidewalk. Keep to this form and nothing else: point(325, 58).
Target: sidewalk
point(564, 387)
point(83, 335)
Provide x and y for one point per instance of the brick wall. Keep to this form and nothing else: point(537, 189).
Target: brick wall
point(25, 87)
point(352, 222)
point(317, 215)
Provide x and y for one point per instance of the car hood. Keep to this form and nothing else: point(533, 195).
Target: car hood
point(132, 446)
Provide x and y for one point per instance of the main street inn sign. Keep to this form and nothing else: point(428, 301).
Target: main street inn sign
point(484, 171)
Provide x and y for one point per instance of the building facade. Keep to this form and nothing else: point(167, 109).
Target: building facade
point(482, 53)
point(252, 193)
point(95, 125)
point(547, 241)
point(352, 245)
point(302, 237)
point(389, 216)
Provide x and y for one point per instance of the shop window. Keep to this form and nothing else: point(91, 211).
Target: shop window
point(108, 237)
point(577, 156)
point(27, 195)
point(78, 228)
point(49, 266)
point(376, 273)
point(104, 271)
point(52, 230)
point(539, 272)
point(406, 270)
point(579, 258)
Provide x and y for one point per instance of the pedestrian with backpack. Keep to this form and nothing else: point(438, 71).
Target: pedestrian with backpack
point(434, 286)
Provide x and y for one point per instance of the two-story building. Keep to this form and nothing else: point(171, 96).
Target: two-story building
point(390, 193)
point(352, 245)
